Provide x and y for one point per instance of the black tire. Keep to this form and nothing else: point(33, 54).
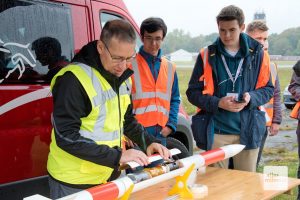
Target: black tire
point(174, 143)
point(289, 106)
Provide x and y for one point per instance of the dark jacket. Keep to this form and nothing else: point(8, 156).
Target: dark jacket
point(252, 119)
point(71, 103)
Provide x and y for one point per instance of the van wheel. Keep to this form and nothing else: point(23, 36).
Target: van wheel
point(174, 143)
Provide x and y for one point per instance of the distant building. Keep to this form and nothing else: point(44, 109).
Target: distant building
point(260, 15)
point(180, 55)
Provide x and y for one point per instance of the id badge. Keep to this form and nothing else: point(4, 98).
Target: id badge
point(235, 95)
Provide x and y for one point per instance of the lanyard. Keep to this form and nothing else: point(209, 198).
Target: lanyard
point(229, 73)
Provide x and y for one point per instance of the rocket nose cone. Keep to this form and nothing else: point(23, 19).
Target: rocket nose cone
point(232, 150)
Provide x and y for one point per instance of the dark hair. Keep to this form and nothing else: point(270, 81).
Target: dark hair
point(119, 29)
point(45, 44)
point(152, 25)
point(230, 13)
point(257, 25)
point(296, 68)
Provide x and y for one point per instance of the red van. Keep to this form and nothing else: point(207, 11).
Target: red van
point(37, 37)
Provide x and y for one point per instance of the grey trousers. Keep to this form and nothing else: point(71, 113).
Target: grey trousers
point(58, 190)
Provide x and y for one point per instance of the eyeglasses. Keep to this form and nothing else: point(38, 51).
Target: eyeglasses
point(157, 40)
point(119, 59)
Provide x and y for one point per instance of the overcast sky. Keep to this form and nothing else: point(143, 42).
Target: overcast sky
point(199, 16)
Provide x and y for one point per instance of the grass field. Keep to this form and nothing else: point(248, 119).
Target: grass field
point(184, 75)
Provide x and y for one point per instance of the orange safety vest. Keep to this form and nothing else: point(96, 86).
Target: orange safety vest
point(295, 111)
point(207, 77)
point(151, 100)
point(269, 108)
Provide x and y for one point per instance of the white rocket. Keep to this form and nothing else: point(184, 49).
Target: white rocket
point(124, 186)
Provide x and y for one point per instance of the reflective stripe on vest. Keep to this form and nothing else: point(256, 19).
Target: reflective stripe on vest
point(151, 100)
point(100, 125)
point(269, 107)
point(98, 134)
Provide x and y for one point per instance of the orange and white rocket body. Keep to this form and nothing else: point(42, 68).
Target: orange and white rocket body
point(118, 188)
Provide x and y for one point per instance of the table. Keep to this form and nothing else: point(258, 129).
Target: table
point(222, 184)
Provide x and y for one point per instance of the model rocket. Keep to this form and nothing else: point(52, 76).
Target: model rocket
point(123, 187)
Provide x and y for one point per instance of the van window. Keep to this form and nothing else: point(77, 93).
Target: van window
point(35, 40)
point(104, 17)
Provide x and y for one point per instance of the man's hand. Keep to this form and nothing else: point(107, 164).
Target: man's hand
point(228, 103)
point(274, 129)
point(129, 142)
point(134, 155)
point(162, 150)
point(166, 131)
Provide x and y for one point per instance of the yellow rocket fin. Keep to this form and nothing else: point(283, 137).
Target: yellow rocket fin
point(127, 193)
point(181, 186)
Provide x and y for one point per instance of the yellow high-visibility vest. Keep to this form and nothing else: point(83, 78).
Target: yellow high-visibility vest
point(103, 125)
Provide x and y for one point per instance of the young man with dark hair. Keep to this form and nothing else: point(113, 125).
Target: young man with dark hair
point(258, 30)
point(155, 91)
point(92, 110)
point(230, 81)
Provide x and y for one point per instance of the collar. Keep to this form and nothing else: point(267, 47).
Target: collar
point(148, 57)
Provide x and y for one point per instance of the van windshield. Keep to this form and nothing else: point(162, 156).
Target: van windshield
point(33, 35)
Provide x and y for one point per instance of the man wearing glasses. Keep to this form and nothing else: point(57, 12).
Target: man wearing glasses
point(155, 91)
point(92, 110)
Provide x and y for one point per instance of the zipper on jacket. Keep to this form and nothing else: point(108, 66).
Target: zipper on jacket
point(119, 106)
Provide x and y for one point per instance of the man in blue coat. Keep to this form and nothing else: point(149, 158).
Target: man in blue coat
point(230, 85)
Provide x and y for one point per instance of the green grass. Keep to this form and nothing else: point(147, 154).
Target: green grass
point(184, 75)
point(282, 157)
point(284, 75)
point(285, 62)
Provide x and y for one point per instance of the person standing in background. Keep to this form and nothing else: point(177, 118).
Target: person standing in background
point(230, 80)
point(258, 30)
point(155, 91)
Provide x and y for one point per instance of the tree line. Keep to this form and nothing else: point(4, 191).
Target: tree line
point(286, 43)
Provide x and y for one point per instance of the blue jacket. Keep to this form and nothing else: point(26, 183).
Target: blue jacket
point(252, 119)
point(154, 65)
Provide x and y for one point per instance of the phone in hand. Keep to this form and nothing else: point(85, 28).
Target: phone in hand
point(239, 99)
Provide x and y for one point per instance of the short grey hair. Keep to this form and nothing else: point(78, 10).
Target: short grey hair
point(120, 29)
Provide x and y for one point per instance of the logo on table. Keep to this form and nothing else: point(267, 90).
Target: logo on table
point(275, 178)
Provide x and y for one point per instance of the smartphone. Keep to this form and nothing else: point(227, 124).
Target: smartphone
point(240, 100)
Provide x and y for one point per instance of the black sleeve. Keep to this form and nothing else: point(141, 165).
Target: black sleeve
point(136, 132)
point(70, 104)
